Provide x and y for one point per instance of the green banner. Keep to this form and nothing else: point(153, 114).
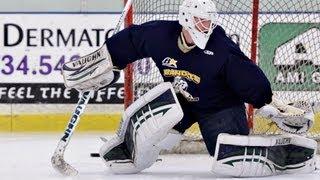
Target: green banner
point(289, 54)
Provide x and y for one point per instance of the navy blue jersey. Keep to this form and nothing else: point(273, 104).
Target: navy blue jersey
point(220, 76)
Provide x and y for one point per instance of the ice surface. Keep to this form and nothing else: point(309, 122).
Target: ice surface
point(27, 157)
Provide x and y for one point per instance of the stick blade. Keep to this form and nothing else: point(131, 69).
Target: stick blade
point(60, 165)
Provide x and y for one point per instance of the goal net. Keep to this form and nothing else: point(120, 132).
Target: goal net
point(282, 37)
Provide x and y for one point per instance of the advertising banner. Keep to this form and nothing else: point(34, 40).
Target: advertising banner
point(34, 46)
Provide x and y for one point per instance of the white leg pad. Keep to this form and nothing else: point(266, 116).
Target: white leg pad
point(254, 156)
point(146, 128)
point(172, 139)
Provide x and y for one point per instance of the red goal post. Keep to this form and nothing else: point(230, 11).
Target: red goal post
point(283, 37)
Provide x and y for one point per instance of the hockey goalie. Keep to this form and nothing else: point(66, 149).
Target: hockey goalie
point(208, 79)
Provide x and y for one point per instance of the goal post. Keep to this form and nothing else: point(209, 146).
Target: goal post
point(282, 37)
point(128, 71)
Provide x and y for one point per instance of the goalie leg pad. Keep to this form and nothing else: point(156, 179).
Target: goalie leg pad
point(116, 156)
point(144, 131)
point(171, 140)
point(253, 156)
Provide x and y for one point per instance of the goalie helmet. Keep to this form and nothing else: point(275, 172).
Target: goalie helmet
point(202, 9)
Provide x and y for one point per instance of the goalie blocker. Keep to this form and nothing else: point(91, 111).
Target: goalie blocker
point(90, 72)
point(145, 129)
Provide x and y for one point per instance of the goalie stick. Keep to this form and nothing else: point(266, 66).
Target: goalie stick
point(57, 160)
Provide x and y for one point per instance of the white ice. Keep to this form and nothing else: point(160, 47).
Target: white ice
point(27, 157)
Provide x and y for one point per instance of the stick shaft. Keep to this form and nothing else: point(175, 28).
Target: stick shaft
point(73, 122)
point(86, 95)
point(57, 159)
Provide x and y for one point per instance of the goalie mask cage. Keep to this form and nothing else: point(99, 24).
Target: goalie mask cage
point(282, 37)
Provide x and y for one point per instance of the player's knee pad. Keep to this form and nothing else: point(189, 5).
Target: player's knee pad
point(253, 156)
point(144, 131)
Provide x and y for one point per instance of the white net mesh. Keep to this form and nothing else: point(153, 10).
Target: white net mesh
point(288, 52)
point(288, 47)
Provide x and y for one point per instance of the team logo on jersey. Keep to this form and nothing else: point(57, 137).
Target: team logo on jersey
point(169, 62)
point(183, 73)
point(208, 52)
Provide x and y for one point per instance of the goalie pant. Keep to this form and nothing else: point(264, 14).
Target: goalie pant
point(231, 120)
